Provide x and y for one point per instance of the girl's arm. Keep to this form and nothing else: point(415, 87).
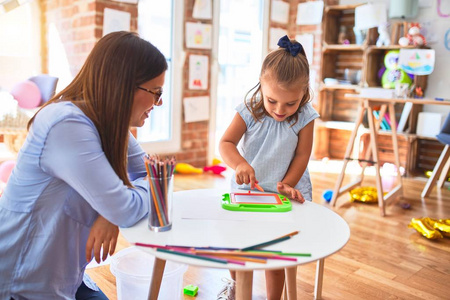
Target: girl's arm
point(299, 163)
point(231, 156)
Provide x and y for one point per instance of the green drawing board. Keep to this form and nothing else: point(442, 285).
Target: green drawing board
point(256, 202)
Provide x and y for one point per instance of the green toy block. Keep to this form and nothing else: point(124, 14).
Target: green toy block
point(190, 290)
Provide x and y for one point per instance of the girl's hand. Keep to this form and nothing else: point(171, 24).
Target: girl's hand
point(290, 192)
point(103, 233)
point(245, 174)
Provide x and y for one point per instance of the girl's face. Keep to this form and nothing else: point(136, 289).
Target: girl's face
point(279, 102)
point(144, 101)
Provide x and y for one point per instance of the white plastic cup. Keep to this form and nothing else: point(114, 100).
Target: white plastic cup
point(161, 196)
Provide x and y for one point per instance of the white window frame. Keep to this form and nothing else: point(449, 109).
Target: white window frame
point(174, 144)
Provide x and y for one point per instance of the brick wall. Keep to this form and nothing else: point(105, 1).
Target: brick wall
point(195, 135)
point(79, 25)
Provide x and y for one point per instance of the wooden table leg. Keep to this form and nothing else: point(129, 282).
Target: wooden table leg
point(155, 284)
point(374, 146)
point(244, 284)
point(337, 189)
point(436, 171)
point(319, 279)
point(291, 283)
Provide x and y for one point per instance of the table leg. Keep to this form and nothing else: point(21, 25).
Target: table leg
point(319, 279)
point(374, 146)
point(445, 155)
point(337, 189)
point(291, 283)
point(244, 284)
point(155, 284)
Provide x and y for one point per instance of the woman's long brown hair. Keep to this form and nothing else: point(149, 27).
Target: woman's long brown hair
point(105, 86)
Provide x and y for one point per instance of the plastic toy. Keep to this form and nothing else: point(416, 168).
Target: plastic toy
point(27, 94)
point(256, 202)
point(190, 290)
point(216, 161)
point(414, 36)
point(327, 195)
point(384, 38)
point(364, 194)
point(393, 73)
point(431, 228)
point(216, 169)
point(184, 168)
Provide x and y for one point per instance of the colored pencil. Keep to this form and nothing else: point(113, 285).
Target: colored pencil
point(271, 242)
point(217, 260)
point(259, 188)
point(246, 254)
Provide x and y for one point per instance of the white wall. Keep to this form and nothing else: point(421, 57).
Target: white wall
point(439, 80)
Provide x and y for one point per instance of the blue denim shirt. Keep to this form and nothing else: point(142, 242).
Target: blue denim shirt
point(61, 182)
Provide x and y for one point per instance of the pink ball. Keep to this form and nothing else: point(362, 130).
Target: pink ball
point(27, 94)
point(6, 169)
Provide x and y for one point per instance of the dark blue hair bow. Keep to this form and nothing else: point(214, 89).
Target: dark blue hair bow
point(293, 48)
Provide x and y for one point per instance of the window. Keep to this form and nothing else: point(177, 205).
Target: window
point(239, 57)
point(20, 44)
point(160, 22)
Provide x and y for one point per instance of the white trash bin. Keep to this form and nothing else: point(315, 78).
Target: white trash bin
point(133, 270)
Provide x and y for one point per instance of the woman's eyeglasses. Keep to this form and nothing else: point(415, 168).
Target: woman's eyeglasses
point(158, 95)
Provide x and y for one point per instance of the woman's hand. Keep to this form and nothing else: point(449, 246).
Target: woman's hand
point(290, 192)
point(245, 174)
point(103, 233)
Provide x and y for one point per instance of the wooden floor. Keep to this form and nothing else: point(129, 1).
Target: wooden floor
point(384, 259)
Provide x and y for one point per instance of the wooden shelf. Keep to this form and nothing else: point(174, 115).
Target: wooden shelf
point(349, 47)
point(324, 86)
point(338, 110)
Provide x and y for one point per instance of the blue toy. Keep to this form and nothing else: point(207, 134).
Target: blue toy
point(327, 195)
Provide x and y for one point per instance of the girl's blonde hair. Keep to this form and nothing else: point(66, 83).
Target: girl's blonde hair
point(105, 86)
point(289, 71)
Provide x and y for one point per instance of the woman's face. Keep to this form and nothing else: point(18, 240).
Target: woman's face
point(279, 102)
point(144, 101)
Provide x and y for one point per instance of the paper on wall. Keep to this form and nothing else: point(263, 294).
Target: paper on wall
point(310, 13)
point(279, 12)
point(198, 72)
point(198, 35)
point(115, 20)
point(202, 9)
point(196, 109)
point(417, 61)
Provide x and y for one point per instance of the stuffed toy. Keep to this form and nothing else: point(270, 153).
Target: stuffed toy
point(384, 39)
point(414, 36)
point(393, 71)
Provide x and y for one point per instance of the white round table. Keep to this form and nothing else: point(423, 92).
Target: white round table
point(200, 221)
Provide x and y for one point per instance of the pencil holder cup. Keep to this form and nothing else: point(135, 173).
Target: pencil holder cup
point(161, 195)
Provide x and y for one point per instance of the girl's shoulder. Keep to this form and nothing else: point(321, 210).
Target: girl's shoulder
point(305, 116)
point(244, 111)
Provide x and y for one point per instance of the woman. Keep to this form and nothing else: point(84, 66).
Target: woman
point(80, 173)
